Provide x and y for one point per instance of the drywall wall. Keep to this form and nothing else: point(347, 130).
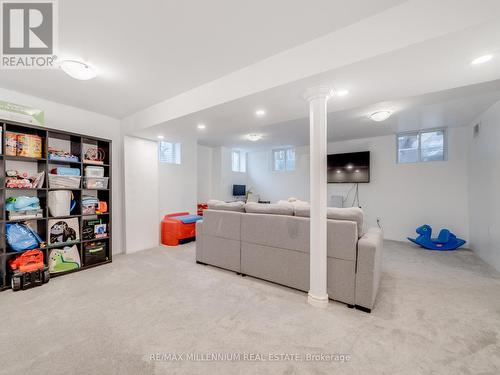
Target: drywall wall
point(484, 186)
point(404, 196)
point(142, 194)
point(273, 186)
point(60, 116)
point(178, 182)
point(204, 166)
point(223, 178)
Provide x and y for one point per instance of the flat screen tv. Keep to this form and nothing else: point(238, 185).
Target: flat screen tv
point(353, 167)
point(239, 190)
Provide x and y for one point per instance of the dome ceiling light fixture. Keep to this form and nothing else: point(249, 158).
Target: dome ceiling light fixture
point(78, 70)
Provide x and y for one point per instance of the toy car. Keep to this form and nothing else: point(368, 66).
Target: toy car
point(28, 270)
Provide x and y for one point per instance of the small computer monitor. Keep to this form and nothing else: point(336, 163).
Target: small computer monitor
point(239, 190)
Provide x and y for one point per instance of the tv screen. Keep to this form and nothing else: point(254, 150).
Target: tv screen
point(239, 190)
point(353, 167)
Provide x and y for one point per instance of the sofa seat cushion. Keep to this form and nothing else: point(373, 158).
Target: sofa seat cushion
point(271, 209)
point(349, 214)
point(224, 206)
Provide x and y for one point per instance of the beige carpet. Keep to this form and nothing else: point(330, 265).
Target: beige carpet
point(436, 313)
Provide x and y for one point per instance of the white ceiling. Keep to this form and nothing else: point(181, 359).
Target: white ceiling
point(152, 50)
point(426, 85)
point(451, 108)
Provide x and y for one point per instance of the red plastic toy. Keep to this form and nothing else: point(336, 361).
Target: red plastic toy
point(174, 230)
point(201, 208)
point(28, 270)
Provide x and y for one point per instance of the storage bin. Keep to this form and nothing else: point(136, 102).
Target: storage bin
point(95, 182)
point(91, 171)
point(64, 182)
point(94, 252)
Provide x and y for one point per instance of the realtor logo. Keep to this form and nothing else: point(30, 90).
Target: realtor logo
point(29, 34)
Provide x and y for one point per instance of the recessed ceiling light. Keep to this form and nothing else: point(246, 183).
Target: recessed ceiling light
point(380, 115)
point(254, 137)
point(341, 93)
point(161, 137)
point(201, 126)
point(338, 171)
point(481, 59)
point(357, 171)
point(78, 69)
point(349, 166)
point(260, 113)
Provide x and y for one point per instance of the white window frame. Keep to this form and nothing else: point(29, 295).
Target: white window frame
point(176, 155)
point(418, 134)
point(273, 159)
point(242, 161)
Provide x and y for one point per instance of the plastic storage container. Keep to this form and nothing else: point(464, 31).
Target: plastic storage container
point(64, 182)
point(94, 171)
point(95, 182)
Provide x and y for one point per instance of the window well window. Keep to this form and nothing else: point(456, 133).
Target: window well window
point(421, 146)
point(238, 161)
point(284, 159)
point(169, 152)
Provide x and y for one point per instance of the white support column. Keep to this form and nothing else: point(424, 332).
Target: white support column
point(318, 99)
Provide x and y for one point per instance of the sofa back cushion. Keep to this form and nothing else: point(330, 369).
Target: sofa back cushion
point(223, 206)
point(348, 214)
point(222, 224)
point(271, 209)
point(279, 231)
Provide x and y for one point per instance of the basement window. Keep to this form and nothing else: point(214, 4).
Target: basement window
point(284, 159)
point(238, 161)
point(421, 146)
point(169, 152)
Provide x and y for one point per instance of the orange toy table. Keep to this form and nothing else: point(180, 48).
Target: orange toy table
point(179, 227)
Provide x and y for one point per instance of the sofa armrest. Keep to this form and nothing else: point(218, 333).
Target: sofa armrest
point(369, 267)
point(199, 241)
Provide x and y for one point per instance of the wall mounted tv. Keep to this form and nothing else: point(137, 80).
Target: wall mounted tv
point(353, 167)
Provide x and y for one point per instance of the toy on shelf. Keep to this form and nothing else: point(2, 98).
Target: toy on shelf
point(28, 270)
point(94, 155)
point(445, 241)
point(21, 180)
point(27, 145)
point(61, 155)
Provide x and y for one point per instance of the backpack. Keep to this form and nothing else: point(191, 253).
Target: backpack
point(21, 237)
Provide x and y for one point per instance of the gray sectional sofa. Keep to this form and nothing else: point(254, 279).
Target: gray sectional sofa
point(271, 242)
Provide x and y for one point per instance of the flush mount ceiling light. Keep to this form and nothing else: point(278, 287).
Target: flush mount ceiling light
point(481, 59)
point(161, 137)
point(201, 126)
point(260, 113)
point(380, 115)
point(254, 137)
point(78, 70)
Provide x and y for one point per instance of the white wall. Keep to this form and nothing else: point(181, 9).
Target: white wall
point(142, 194)
point(178, 183)
point(223, 178)
point(205, 167)
point(484, 187)
point(273, 186)
point(63, 117)
point(404, 196)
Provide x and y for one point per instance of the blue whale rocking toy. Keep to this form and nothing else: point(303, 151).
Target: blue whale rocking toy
point(445, 241)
